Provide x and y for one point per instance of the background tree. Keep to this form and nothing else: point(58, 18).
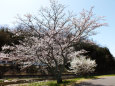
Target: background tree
point(50, 36)
point(105, 61)
point(7, 37)
point(81, 65)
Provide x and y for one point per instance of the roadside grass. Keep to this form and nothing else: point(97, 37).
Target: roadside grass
point(105, 75)
point(53, 83)
point(66, 82)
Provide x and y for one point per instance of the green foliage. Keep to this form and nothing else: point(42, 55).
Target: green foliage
point(1, 80)
point(105, 61)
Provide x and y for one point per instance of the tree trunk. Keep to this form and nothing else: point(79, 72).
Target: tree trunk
point(59, 78)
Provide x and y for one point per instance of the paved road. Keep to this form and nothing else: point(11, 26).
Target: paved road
point(106, 81)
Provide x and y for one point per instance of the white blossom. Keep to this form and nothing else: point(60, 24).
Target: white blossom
point(82, 65)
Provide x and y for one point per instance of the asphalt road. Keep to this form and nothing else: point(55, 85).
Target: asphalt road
point(106, 81)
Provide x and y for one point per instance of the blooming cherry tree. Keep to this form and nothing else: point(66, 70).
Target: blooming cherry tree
point(49, 37)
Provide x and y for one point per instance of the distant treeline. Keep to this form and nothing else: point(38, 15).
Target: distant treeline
point(104, 59)
point(7, 37)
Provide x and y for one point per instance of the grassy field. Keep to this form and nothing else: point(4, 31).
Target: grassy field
point(67, 82)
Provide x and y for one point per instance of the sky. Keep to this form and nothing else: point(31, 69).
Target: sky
point(9, 9)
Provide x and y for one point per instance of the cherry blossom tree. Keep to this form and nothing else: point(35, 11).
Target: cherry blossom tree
point(49, 36)
point(81, 65)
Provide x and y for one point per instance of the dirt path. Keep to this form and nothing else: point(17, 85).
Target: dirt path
point(106, 81)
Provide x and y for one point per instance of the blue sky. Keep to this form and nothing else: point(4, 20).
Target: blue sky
point(105, 37)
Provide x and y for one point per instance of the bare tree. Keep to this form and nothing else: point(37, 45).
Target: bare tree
point(49, 37)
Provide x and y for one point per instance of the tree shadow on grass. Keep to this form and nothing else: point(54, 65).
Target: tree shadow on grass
point(90, 77)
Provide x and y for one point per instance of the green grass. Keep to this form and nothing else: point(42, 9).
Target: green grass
point(106, 75)
point(66, 82)
point(54, 83)
point(1, 80)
